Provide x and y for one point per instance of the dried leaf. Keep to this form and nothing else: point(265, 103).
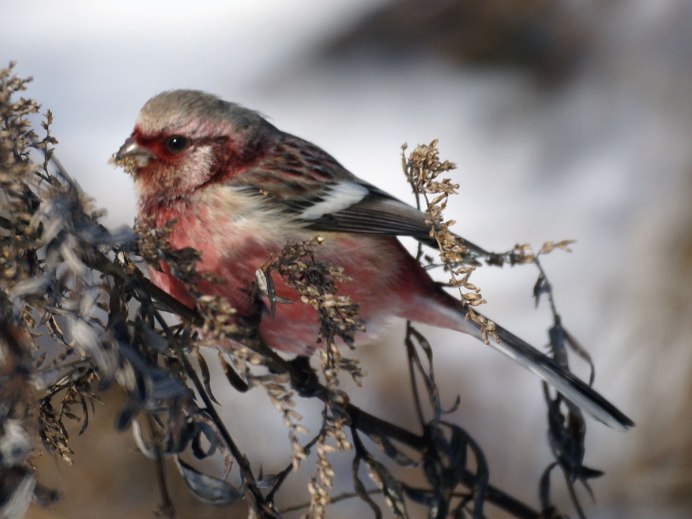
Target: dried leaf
point(209, 489)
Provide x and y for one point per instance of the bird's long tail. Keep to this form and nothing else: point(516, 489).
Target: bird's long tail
point(574, 389)
point(450, 314)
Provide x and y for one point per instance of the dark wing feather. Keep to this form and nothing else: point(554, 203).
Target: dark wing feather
point(381, 213)
point(375, 214)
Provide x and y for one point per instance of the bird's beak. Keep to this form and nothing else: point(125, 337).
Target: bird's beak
point(131, 156)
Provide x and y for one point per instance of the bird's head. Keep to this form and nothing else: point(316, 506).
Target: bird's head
point(186, 139)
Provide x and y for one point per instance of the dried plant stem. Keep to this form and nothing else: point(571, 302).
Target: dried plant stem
point(166, 508)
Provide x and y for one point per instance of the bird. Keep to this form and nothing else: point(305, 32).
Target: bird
point(235, 188)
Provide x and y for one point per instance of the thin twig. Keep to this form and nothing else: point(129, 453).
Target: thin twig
point(166, 507)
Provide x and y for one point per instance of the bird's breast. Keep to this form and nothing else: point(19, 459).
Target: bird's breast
point(236, 234)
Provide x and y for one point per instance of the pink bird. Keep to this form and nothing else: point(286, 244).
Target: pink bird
point(240, 189)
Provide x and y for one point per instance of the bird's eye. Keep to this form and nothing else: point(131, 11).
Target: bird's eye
point(177, 143)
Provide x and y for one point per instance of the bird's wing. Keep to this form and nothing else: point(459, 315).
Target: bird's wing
point(318, 192)
point(376, 212)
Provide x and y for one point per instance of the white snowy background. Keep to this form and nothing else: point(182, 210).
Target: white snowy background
point(603, 158)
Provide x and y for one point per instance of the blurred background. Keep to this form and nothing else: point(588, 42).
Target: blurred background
point(567, 120)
